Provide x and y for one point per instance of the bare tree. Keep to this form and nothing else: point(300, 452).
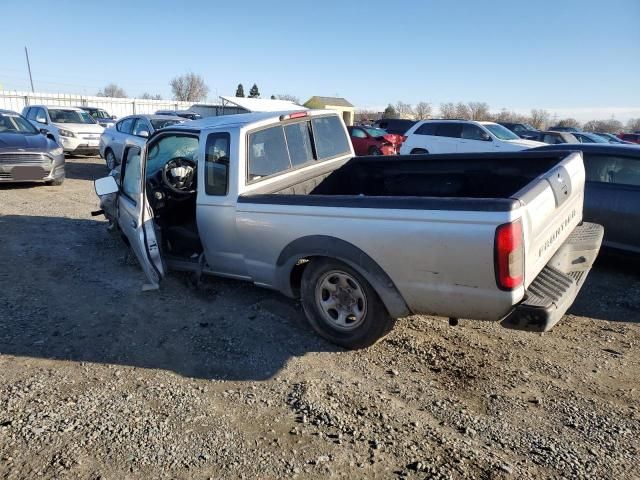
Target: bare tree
point(286, 96)
point(404, 110)
point(189, 88)
point(568, 122)
point(447, 110)
point(149, 96)
point(608, 126)
point(633, 125)
point(479, 111)
point(540, 118)
point(462, 111)
point(422, 110)
point(112, 90)
point(509, 116)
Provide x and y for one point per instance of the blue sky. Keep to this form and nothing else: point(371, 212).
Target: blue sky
point(572, 57)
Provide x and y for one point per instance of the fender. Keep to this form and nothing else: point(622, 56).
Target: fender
point(331, 247)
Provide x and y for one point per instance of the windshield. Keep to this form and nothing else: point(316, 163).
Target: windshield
point(375, 132)
point(13, 123)
point(158, 124)
point(529, 127)
point(70, 116)
point(100, 114)
point(500, 132)
point(590, 138)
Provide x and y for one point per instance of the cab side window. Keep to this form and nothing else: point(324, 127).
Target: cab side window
point(268, 153)
point(217, 164)
point(613, 169)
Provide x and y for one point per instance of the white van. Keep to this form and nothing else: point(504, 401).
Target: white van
point(462, 136)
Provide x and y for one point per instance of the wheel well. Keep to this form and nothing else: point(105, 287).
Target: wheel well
point(419, 150)
point(295, 276)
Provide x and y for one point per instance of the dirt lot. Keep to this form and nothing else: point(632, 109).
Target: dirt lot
point(101, 380)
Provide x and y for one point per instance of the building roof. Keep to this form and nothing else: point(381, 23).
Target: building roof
point(262, 104)
point(321, 102)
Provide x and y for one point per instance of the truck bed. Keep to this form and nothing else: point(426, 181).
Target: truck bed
point(455, 181)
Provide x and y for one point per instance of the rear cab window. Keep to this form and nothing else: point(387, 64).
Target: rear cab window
point(280, 148)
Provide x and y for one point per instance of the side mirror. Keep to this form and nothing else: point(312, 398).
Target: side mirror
point(105, 186)
point(113, 117)
point(41, 120)
point(44, 131)
point(486, 137)
point(143, 134)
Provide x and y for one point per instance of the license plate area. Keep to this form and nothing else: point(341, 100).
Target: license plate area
point(27, 173)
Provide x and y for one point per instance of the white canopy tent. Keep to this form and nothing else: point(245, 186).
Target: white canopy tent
point(260, 104)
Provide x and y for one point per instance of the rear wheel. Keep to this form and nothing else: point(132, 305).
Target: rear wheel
point(341, 305)
point(419, 151)
point(110, 158)
point(56, 183)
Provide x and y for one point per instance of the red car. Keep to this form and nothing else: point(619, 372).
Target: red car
point(374, 141)
point(628, 137)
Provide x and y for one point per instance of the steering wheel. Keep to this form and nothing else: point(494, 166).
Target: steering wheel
point(179, 175)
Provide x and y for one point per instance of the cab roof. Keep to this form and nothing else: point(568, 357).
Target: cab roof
point(242, 119)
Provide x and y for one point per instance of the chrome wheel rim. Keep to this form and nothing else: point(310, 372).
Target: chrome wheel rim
point(341, 300)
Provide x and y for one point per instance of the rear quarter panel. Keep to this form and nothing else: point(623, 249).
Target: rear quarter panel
point(440, 261)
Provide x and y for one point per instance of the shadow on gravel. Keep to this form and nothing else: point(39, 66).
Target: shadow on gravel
point(75, 168)
point(612, 290)
point(67, 294)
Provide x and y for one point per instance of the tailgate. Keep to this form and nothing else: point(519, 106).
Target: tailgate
point(552, 208)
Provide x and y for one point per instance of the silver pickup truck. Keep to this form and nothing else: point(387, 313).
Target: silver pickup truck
point(279, 199)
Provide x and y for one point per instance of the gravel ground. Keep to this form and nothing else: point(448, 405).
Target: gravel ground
point(100, 380)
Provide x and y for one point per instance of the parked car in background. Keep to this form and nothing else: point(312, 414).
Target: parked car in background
point(127, 130)
point(558, 128)
point(587, 137)
point(630, 137)
point(188, 114)
point(398, 126)
point(28, 154)
point(374, 141)
point(278, 200)
point(612, 191)
point(101, 116)
point(462, 136)
point(523, 130)
point(555, 138)
point(611, 138)
point(72, 127)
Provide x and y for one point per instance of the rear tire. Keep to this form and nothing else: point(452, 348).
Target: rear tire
point(419, 151)
point(341, 305)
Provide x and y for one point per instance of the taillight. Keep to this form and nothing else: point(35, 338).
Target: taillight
point(509, 257)
point(293, 115)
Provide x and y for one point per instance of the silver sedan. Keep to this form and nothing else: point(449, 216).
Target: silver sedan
point(132, 129)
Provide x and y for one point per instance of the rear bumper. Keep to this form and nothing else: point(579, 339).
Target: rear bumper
point(555, 288)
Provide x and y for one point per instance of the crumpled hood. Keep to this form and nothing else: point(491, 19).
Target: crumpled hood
point(14, 141)
point(80, 127)
point(526, 143)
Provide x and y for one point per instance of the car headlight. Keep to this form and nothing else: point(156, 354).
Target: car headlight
point(65, 133)
point(57, 151)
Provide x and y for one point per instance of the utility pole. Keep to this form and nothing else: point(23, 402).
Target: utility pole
point(29, 67)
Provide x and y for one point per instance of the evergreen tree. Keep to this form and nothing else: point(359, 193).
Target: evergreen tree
point(390, 112)
point(254, 92)
point(240, 91)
